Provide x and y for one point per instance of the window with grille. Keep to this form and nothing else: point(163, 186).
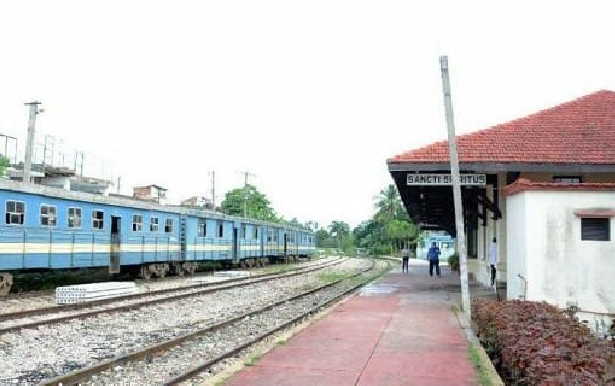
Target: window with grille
point(137, 223)
point(202, 227)
point(98, 219)
point(48, 215)
point(567, 179)
point(14, 212)
point(168, 225)
point(74, 217)
point(153, 224)
point(596, 229)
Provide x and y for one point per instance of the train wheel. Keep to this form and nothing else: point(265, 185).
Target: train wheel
point(6, 282)
point(161, 273)
point(145, 273)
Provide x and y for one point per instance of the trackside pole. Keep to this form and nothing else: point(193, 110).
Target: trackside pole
point(452, 149)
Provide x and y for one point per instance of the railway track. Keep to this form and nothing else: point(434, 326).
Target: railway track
point(10, 322)
point(154, 364)
point(47, 296)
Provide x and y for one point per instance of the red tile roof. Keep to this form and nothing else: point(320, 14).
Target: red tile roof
point(581, 131)
point(522, 184)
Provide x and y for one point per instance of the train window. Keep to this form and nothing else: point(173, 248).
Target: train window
point(153, 224)
point(14, 212)
point(98, 219)
point(74, 217)
point(48, 215)
point(202, 227)
point(243, 231)
point(255, 232)
point(220, 229)
point(168, 225)
point(137, 223)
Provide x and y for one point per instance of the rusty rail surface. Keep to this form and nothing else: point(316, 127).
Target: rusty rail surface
point(217, 286)
point(83, 374)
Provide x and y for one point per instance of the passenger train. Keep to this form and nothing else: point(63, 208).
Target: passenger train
point(44, 228)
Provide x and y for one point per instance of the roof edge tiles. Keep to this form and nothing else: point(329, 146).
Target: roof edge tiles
point(581, 132)
point(522, 185)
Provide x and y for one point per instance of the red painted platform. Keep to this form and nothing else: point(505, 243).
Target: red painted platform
point(398, 331)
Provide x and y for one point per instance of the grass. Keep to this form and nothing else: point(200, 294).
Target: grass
point(253, 358)
point(330, 277)
point(482, 368)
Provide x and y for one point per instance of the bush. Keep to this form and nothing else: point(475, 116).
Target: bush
point(533, 343)
point(453, 262)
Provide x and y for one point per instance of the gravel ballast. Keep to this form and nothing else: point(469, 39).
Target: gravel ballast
point(31, 355)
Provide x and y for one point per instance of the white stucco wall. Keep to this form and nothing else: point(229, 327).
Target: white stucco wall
point(544, 245)
point(516, 247)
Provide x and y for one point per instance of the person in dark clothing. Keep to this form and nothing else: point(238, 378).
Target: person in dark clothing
point(405, 256)
point(434, 259)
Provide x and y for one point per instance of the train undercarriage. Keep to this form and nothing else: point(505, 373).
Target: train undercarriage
point(161, 270)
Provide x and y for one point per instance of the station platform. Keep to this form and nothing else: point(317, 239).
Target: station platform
point(400, 330)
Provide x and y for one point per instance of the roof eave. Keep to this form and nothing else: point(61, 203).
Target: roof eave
point(497, 167)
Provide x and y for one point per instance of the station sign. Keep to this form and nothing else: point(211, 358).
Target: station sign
point(445, 179)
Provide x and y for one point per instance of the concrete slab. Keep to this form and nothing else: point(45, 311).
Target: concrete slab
point(399, 331)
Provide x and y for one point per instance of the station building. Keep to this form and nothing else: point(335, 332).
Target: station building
point(544, 187)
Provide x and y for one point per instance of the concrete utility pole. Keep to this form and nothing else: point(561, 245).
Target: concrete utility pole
point(246, 175)
point(33, 112)
point(213, 189)
point(452, 149)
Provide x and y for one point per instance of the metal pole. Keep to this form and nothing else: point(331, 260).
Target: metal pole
point(452, 148)
point(45, 152)
point(81, 173)
point(213, 189)
point(33, 111)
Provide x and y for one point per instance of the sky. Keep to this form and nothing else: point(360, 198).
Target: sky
point(311, 97)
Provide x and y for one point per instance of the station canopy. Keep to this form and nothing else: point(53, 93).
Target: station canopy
point(574, 137)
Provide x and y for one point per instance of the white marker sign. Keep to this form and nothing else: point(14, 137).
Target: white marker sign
point(445, 179)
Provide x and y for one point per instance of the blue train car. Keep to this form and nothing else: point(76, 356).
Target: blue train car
point(49, 228)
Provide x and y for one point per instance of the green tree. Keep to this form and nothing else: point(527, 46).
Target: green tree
point(4, 163)
point(390, 227)
point(321, 236)
point(338, 230)
point(250, 201)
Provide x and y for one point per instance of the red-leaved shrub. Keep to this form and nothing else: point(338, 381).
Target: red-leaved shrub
point(533, 343)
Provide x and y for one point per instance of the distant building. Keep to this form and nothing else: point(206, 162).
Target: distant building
point(197, 202)
point(61, 177)
point(443, 240)
point(152, 192)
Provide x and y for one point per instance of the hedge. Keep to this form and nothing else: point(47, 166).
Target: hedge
point(533, 343)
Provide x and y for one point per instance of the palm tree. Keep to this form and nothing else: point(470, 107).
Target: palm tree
point(338, 229)
point(388, 203)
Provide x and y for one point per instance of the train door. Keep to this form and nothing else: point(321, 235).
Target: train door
point(235, 244)
point(261, 233)
point(285, 244)
point(182, 238)
point(116, 244)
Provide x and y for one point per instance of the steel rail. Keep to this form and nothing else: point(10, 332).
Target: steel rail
point(80, 375)
point(75, 306)
point(195, 370)
point(214, 288)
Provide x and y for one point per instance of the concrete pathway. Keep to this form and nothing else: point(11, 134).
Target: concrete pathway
point(398, 331)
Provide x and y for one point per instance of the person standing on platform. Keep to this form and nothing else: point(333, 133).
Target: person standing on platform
point(434, 259)
point(405, 256)
point(493, 260)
